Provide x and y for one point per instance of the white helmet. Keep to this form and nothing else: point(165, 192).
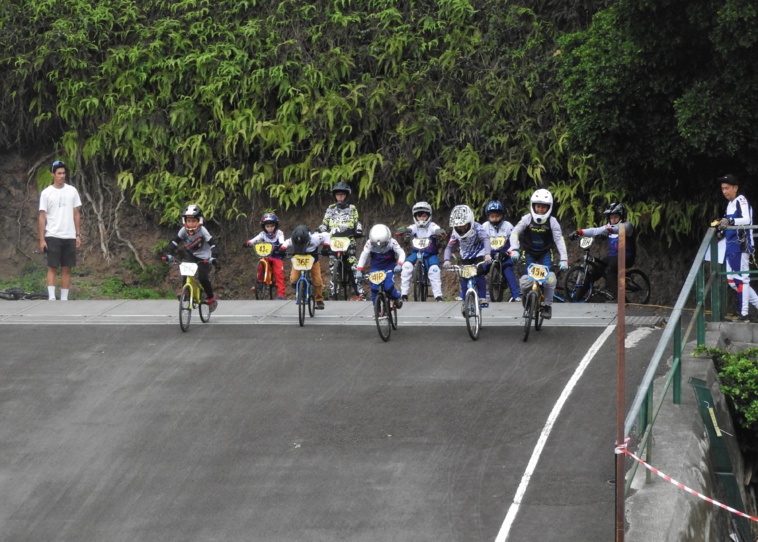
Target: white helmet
point(422, 207)
point(462, 216)
point(546, 198)
point(379, 237)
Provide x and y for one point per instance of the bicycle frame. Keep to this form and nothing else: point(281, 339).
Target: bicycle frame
point(471, 308)
point(263, 250)
point(303, 286)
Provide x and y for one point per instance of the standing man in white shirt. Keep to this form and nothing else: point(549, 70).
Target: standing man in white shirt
point(59, 228)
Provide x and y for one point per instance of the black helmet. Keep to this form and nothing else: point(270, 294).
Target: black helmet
point(342, 187)
point(616, 208)
point(301, 236)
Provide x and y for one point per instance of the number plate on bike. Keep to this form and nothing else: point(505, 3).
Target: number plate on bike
point(586, 242)
point(420, 243)
point(188, 269)
point(302, 262)
point(263, 249)
point(339, 244)
point(497, 243)
point(538, 272)
point(377, 277)
point(469, 271)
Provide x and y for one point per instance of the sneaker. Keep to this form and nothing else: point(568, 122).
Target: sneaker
point(516, 300)
point(738, 318)
point(547, 312)
point(399, 303)
point(439, 298)
point(320, 305)
point(404, 297)
point(212, 303)
point(280, 298)
point(51, 299)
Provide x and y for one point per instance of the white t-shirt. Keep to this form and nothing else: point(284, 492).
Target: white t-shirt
point(59, 205)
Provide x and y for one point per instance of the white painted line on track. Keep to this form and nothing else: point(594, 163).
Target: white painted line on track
point(502, 536)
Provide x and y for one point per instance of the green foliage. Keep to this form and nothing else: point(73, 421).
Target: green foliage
point(33, 279)
point(114, 288)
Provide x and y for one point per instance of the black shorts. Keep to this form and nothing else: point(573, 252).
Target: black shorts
point(61, 252)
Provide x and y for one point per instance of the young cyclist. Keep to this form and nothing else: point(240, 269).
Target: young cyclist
point(423, 228)
point(341, 219)
point(272, 234)
point(199, 246)
point(536, 234)
point(496, 226)
point(386, 255)
point(615, 215)
point(305, 242)
point(473, 245)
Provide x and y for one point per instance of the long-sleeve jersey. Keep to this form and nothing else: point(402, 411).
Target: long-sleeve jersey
point(538, 239)
point(276, 240)
point(382, 261)
point(316, 240)
point(341, 220)
point(741, 213)
point(200, 244)
point(613, 238)
point(473, 246)
point(426, 232)
point(503, 230)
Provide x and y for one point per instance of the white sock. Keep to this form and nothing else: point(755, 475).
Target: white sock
point(51, 292)
point(64, 294)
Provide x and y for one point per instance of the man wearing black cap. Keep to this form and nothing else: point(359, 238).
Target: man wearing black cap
point(739, 243)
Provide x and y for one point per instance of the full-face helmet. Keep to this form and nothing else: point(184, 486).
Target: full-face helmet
point(615, 208)
point(269, 218)
point(419, 208)
point(462, 221)
point(543, 197)
point(192, 211)
point(301, 236)
point(495, 207)
point(344, 188)
point(379, 237)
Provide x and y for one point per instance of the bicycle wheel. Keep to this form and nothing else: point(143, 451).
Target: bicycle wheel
point(203, 308)
point(497, 287)
point(393, 314)
point(302, 301)
point(260, 273)
point(574, 283)
point(530, 306)
point(637, 287)
point(416, 280)
point(311, 301)
point(471, 304)
point(424, 284)
point(382, 316)
point(538, 317)
point(185, 307)
point(272, 287)
point(336, 279)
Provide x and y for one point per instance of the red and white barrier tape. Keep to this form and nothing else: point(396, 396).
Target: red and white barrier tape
point(622, 449)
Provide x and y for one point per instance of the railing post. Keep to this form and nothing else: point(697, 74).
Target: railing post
point(677, 383)
point(700, 306)
point(649, 405)
point(716, 299)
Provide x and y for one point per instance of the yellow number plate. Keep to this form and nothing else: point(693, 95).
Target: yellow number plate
point(263, 249)
point(420, 243)
point(377, 277)
point(497, 243)
point(339, 244)
point(538, 272)
point(468, 271)
point(302, 262)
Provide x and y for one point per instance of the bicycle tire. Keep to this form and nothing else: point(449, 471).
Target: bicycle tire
point(36, 295)
point(203, 308)
point(574, 282)
point(529, 307)
point(497, 288)
point(185, 307)
point(424, 285)
point(382, 316)
point(637, 287)
point(393, 314)
point(417, 280)
point(538, 316)
point(336, 279)
point(260, 274)
point(311, 300)
point(302, 301)
point(472, 314)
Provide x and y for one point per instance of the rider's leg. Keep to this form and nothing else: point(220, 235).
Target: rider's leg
point(549, 288)
point(435, 275)
point(612, 274)
point(203, 277)
point(510, 278)
point(389, 287)
point(318, 283)
point(278, 266)
point(406, 274)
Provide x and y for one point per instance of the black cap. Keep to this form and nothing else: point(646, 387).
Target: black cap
point(729, 179)
point(56, 165)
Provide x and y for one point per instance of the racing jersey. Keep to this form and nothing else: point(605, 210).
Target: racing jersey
point(503, 230)
point(276, 240)
point(538, 239)
point(741, 213)
point(382, 261)
point(341, 220)
point(613, 238)
point(473, 246)
point(200, 244)
point(426, 232)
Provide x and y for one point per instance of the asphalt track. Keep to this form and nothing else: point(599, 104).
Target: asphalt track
point(260, 430)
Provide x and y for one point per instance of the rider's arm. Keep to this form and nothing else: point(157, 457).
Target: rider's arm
point(449, 248)
point(560, 243)
point(514, 238)
point(593, 232)
point(364, 256)
point(399, 252)
point(744, 211)
point(484, 236)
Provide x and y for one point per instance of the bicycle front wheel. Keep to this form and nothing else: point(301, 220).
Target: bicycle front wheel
point(203, 308)
point(185, 307)
point(382, 316)
point(471, 312)
point(497, 287)
point(637, 287)
point(302, 301)
point(311, 301)
point(538, 317)
point(574, 287)
point(260, 274)
point(530, 307)
point(393, 313)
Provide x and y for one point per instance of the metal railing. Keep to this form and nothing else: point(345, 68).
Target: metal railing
point(643, 411)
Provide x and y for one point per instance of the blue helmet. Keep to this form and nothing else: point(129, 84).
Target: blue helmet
point(495, 207)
